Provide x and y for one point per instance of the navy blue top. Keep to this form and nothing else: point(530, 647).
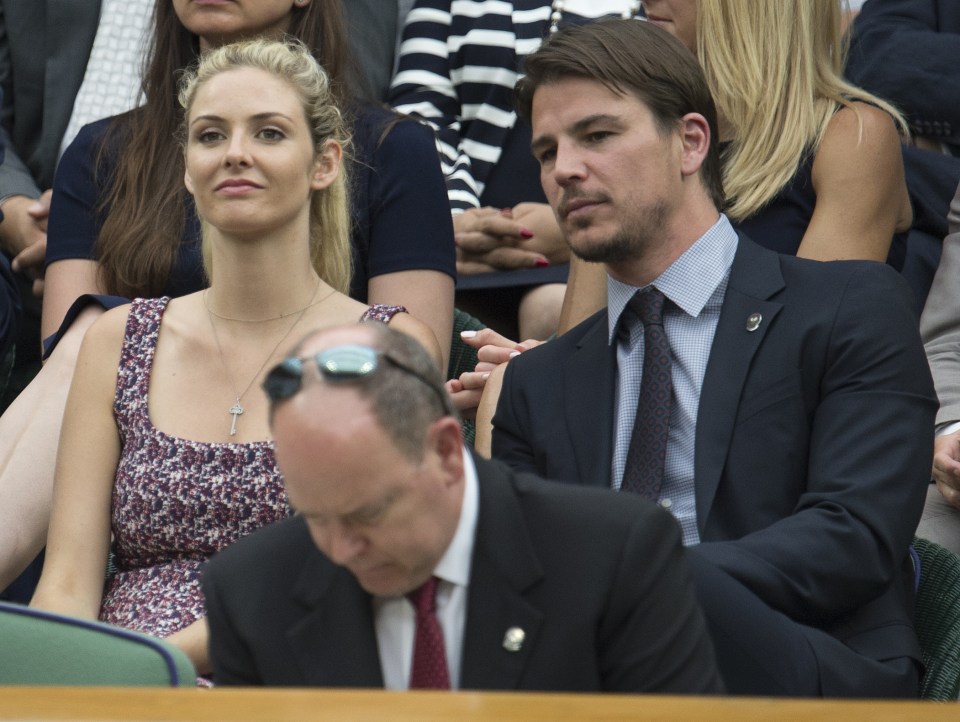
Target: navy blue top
point(781, 223)
point(401, 217)
point(516, 176)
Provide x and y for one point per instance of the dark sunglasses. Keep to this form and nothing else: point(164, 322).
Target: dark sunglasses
point(340, 363)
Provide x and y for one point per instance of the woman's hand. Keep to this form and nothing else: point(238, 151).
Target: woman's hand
point(491, 239)
point(493, 350)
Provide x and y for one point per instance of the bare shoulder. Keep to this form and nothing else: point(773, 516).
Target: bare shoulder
point(861, 145)
point(95, 377)
point(338, 308)
point(862, 127)
point(405, 323)
point(107, 332)
point(858, 178)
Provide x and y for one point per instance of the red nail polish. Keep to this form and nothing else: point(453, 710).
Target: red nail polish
point(526, 233)
point(541, 263)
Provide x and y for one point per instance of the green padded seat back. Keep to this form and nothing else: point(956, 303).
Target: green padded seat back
point(41, 648)
point(463, 358)
point(937, 619)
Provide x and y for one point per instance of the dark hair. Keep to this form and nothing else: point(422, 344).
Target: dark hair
point(404, 404)
point(628, 56)
point(142, 206)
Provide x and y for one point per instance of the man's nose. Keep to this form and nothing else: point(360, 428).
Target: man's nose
point(343, 544)
point(568, 165)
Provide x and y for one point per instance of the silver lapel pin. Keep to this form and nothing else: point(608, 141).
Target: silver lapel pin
point(513, 639)
point(753, 321)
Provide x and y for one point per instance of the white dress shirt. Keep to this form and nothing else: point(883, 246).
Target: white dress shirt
point(394, 617)
point(111, 82)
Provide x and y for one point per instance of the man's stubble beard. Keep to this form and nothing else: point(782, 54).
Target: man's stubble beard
point(635, 235)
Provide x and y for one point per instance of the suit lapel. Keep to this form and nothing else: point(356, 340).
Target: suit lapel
point(754, 278)
point(589, 383)
point(503, 568)
point(334, 641)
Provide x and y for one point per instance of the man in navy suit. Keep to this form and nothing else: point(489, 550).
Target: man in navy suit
point(536, 586)
point(795, 429)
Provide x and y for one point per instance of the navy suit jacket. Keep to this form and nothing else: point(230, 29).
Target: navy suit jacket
point(905, 51)
point(599, 584)
point(813, 441)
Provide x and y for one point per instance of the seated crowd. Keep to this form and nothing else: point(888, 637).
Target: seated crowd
point(700, 473)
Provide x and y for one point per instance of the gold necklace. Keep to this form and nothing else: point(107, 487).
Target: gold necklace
point(265, 320)
point(556, 13)
point(237, 407)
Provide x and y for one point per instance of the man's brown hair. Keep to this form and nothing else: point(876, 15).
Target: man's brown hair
point(630, 57)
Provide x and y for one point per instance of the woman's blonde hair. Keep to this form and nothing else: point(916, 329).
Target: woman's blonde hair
point(330, 248)
point(775, 68)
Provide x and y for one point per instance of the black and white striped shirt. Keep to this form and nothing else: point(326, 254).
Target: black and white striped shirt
point(459, 61)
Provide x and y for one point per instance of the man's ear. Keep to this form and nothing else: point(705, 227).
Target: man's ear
point(695, 139)
point(445, 440)
point(326, 166)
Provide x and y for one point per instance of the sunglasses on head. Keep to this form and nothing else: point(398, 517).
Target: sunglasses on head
point(340, 363)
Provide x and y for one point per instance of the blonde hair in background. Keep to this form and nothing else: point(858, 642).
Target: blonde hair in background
point(775, 69)
point(330, 248)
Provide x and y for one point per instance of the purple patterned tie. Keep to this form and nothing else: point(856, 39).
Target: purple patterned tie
point(429, 668)
point(643, 473)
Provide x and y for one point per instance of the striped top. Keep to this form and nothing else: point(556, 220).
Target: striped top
point(458, 64)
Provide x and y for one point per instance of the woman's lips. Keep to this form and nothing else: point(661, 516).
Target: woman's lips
point(236, 187)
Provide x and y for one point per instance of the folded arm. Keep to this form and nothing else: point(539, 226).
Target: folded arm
point(863, 480)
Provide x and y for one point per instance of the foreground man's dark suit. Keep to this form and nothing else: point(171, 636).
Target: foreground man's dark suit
point(813, 453)
point(600, 587)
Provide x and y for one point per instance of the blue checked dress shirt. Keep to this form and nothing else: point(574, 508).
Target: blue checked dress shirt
point(695, 283)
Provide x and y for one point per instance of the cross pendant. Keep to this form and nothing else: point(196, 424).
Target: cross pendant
point(235, 410)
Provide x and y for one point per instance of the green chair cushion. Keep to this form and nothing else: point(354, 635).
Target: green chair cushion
point(463, 358)
point(41, 648)
point(937, 619)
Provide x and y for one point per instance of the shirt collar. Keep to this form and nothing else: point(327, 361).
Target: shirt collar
point(454, 566)
point(707, 261)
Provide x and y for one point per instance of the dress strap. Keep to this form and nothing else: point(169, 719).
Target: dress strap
point(136, 357)
point(381, 312)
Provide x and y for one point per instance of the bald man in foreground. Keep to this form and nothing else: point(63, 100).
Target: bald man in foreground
point(411, 564)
